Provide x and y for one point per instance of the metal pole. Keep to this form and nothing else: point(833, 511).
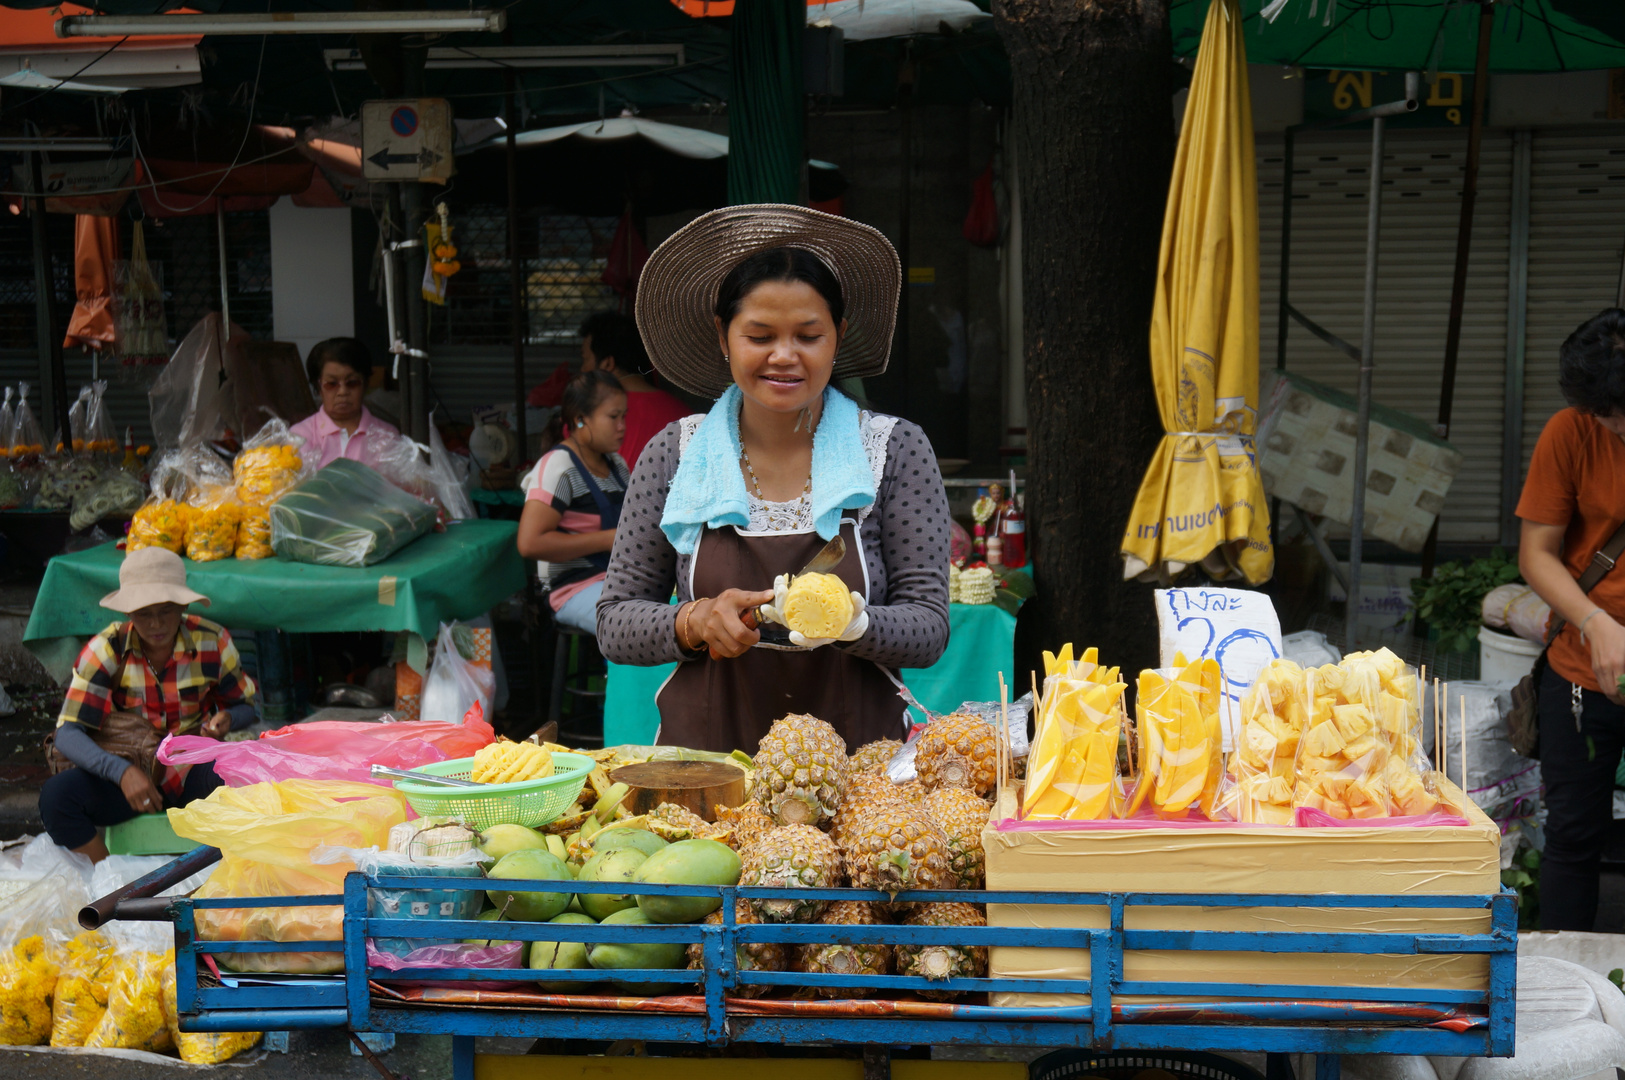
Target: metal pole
point(1464, 244)
point(1283, 320)
point(516, 271)
point(53, 377)
point(417, 362)
point(220, 240)
point(1362, 431)
point(401, 366)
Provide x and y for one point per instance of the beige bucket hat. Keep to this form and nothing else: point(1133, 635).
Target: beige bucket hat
point(677, 291)
point(152, 575)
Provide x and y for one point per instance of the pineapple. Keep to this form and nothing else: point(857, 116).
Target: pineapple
point(872, 757)
point(896, 847)
point(791, 857)
point(745, 824)
point(864, 792)
point(960, 751)
point(943, 961)
point(962, 817)
point(672, 823)
point(800, 771)
point(836, 959)
point(760, 956)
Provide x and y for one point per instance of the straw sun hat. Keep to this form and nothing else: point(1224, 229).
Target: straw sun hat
point(152, 575)
point(677, 291)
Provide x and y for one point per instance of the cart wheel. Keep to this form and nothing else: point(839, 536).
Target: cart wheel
point(1143, 1065)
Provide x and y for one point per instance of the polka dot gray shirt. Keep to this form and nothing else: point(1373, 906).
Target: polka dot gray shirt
point(905, 544)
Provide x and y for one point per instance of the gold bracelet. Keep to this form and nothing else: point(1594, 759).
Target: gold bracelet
point(682, 633)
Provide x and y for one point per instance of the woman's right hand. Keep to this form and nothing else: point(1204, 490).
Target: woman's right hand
point(1607, 641)
point(140, 792)
point(717, 624)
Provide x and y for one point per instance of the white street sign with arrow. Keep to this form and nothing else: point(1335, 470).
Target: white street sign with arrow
point(409, 139)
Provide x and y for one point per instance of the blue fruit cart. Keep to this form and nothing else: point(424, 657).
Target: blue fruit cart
point(707, 1009)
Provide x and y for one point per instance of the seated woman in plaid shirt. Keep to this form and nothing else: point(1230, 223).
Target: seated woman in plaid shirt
point(176, 672)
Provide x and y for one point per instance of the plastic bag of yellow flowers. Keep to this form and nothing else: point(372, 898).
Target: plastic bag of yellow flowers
point(160, 523)
point(135, 1018)
point(80, 998)
point(254, 533)
point(34, 928)
point(212, 531)
point(202, 1047)
point(269, 464)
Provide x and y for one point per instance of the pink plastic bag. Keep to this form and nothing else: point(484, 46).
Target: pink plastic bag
point(368, 743)
point(502, 954)
point(239, 764)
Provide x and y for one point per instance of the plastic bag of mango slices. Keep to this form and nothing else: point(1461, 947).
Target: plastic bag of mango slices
point(1181, 753)
point(135, 1017)
point(80, 998)
point(202, 1047)
point(1072, 770)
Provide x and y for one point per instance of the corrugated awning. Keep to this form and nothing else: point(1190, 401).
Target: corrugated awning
point(32, 56)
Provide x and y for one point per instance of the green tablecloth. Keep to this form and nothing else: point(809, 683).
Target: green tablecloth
point(457, 574)
point(980, 646)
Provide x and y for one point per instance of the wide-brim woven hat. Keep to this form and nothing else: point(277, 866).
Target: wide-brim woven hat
point(151, 575)
point(677, 291)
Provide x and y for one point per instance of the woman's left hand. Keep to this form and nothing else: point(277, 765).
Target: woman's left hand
point(216, 726)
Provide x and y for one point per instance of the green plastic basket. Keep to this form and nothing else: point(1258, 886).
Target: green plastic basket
point(529, 802)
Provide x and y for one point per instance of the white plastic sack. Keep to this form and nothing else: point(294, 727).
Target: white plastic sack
point(454, 684)
point(1235, 627)
point(1309, 648)
point(1490, 757)
point(1516, 608)
point(1571, 1025)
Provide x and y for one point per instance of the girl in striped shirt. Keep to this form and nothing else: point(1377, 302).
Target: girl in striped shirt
point(574, 501)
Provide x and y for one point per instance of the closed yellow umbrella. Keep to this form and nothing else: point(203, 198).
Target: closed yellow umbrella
point(1202, 500)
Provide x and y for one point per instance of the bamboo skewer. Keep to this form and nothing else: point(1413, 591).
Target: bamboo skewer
point(1464, 744)
point(1001, 745)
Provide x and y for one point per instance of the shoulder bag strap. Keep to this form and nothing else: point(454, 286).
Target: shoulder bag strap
point(1601, 563)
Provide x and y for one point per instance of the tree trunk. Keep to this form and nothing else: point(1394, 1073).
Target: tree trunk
point(1094, 146)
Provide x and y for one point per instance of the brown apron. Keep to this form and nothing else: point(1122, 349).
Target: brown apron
point(723, 705)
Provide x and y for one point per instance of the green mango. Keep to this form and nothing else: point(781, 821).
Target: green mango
point(488, 915)
point(615, 839)
point(556, 955)
point(524, 865)
point(613, 956)
point(687, 862)
point(619, 864)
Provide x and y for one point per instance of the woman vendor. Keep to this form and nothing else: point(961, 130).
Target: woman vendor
point(339, 369)
point(764, 305)
point(161, 671)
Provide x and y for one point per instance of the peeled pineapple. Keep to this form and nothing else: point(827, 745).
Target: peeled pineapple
point(1181, 742)
point(1273, 717)
point(791, 857)
point(962, 817)
point(838, 959)
point(1072, 766)
point(800, 771)
point(818, 605)
point(673, 823)
point(958, 751)
point(938, 962)
point(511, 762)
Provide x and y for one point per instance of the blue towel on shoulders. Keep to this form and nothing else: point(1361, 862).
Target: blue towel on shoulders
point(709, 489)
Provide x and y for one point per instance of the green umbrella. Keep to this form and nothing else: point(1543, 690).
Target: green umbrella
point(1420, 35)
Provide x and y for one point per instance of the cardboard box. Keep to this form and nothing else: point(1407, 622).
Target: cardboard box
point(1372, 860)
point(1306, 457)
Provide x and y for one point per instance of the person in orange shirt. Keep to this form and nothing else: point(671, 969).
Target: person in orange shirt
point(1573, 501)
point(610, 342)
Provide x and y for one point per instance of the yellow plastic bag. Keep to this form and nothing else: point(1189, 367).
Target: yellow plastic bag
point(160, 523)
point(265, 833)
point(135, 1017)
point(80, 998)
point(202, 1047)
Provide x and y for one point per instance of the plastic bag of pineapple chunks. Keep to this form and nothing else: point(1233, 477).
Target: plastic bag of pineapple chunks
point(135, 1018)
point(80, 998)
point(1263, 766)
point(202, 1047)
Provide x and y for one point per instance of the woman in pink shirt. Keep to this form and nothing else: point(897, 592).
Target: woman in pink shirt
point(339, 368)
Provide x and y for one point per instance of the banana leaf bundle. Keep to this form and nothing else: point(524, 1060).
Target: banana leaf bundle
point(346, 515)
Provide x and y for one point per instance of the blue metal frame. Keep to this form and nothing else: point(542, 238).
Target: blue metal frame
point(1326, 1020)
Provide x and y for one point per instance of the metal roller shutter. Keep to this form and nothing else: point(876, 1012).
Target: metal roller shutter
point(1421, 205)
point(1576, 228)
